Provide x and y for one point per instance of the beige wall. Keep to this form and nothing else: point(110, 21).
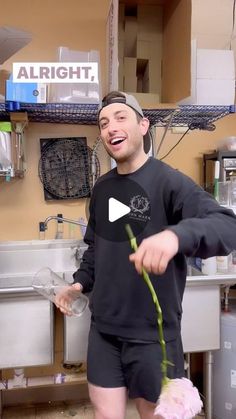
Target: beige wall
point(187, 156)
point(76, 24)
point(22, 200)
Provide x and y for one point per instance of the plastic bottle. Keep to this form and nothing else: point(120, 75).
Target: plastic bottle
point(82, 228)
point(72, 231)
point(216, 180)
point(209, 266)
point(222, 264)
point(41, 230)
point(60, 227)
point(232, 261)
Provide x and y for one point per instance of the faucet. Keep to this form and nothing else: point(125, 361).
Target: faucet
point(66, 220)
point(78, 252)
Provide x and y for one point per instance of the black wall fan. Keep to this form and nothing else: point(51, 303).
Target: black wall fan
point(67, 168)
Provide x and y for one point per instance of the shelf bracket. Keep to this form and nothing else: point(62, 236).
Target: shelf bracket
point(19, 121)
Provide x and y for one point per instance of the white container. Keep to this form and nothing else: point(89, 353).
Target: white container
point(76, 92)
point(212, 77)
point(224, 369)
point(232, 191)
point(232, 262)
point(215, 77)
point(215, 64)
point(209, 266)
point(222, 264)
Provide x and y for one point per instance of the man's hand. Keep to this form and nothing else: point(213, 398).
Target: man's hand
point(65, 296)
point(155, 252)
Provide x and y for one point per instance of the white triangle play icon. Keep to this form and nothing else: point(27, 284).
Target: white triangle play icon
point(116, 209)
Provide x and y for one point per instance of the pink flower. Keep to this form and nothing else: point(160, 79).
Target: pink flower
point(179, 399)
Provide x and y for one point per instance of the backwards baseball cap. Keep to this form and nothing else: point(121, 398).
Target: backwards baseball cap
point(129, 100)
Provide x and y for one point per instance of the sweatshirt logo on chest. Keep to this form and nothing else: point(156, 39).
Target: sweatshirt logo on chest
point(140, 208)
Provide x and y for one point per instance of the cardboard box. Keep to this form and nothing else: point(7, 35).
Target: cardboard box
point(143, 76)
point(147, 100)
point(121, 50)
point(149, 22)
point(130, 83)
point(148, 49)
point(121, 22)
point(130, 40)
point(162, 29)
point(149, 76)
point(130, 74)
point(121, 73)
point(130, 67)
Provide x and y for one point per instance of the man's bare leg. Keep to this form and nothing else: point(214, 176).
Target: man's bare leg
point(108, 403)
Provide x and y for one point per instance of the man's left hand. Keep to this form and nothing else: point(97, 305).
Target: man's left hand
point(155, 252)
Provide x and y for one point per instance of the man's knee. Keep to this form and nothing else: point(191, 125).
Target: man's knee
point(108, 403)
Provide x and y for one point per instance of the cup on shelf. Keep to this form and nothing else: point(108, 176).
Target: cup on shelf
point(232, 191)
point(223, 193)
point(47, 283)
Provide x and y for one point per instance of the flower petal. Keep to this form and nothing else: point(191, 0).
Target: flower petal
point(179, 399)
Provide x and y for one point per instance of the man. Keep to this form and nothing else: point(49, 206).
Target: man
point(124, 354)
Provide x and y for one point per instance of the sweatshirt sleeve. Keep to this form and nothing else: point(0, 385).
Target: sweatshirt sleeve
point(85, 274)
point(203, 227)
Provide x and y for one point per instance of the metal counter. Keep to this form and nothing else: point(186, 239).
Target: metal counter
point(201, 322)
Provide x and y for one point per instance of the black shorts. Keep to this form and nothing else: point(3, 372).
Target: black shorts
point(137, 366)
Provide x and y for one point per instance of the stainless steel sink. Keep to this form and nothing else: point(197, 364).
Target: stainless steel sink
point(26, 318)
point(26, 328)
point(25, 257)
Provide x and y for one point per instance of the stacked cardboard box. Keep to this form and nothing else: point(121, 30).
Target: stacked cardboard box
point(215, 77)
point(160, 51)
point(140, 50)
point(212, 77)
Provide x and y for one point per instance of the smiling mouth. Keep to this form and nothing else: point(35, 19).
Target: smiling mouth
point(117, 141)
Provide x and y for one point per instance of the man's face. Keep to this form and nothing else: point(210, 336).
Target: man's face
point(121, 133)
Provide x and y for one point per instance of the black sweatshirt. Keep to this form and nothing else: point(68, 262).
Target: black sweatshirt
point(121, 302)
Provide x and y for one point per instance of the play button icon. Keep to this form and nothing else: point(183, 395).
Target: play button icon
point(117, 201)
point(116, 210)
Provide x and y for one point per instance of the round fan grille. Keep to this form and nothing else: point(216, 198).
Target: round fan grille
point(68, 168)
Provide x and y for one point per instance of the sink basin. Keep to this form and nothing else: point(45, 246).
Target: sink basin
point(27, 257)
point(26, 318)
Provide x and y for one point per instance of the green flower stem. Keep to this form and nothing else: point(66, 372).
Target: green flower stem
point(165, 362)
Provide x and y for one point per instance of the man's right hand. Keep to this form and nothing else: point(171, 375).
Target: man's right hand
point(64, 297)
